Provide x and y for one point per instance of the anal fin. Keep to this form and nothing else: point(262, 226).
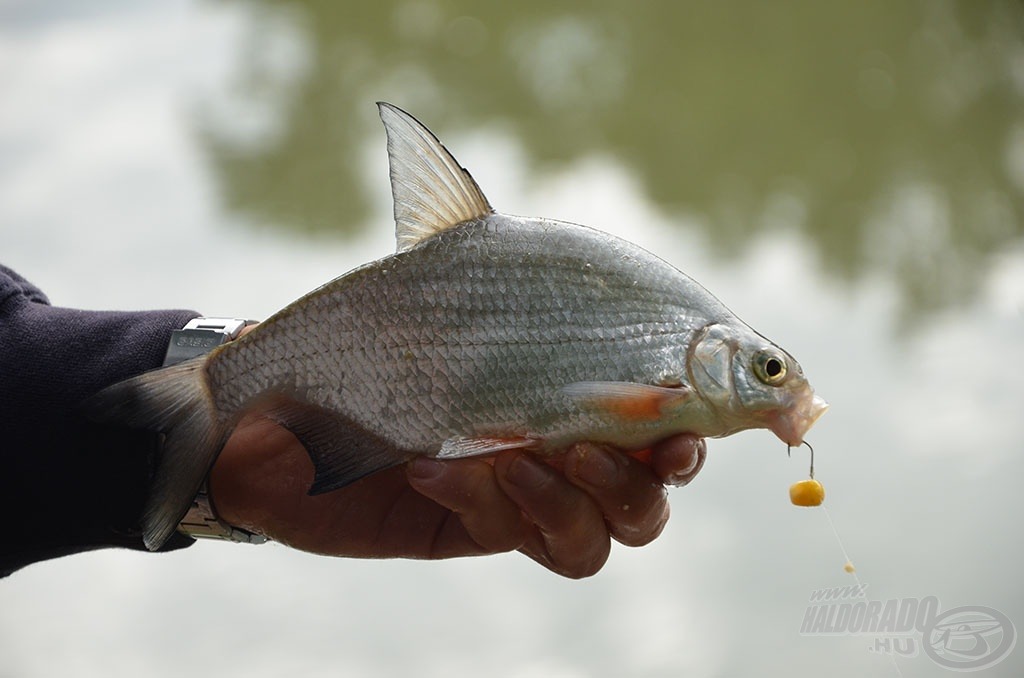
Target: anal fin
point(342, 451)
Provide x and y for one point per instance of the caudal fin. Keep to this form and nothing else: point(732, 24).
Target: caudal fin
point(175, 401)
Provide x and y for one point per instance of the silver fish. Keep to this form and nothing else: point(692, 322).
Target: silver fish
point(484, 332)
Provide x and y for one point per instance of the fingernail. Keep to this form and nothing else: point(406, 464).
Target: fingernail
point(525, 473)
point(425, 468)
point(598, 467)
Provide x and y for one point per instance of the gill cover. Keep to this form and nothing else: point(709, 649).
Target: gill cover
point(711, 367)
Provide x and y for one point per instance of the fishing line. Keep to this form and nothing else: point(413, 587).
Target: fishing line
point(852, 570)
point(849, 563)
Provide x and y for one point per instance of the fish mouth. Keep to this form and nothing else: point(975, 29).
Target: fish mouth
point(791, 424)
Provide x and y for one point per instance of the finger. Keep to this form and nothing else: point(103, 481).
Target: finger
point(486, 516)
point(571, 537)
point(631, 497)
point(677, 460)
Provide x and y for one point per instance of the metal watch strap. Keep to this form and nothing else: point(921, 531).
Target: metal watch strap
point(201, 521)
point(199, 336)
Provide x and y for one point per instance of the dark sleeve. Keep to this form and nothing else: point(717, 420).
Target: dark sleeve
point(68, 485)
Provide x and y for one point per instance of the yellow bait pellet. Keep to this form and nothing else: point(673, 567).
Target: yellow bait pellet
point(849, 567)
point(807, 493)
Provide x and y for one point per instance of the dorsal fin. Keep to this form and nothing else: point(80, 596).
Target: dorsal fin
point(432, 191)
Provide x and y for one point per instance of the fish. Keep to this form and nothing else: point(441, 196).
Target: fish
point(483, 332)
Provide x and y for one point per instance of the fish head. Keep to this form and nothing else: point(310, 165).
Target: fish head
point(752, 383)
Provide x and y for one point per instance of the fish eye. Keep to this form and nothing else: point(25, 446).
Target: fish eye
point(770, 368)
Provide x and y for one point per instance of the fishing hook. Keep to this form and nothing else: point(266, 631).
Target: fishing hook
point(789, 453)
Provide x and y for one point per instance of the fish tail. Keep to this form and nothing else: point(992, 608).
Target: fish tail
point(177, 402)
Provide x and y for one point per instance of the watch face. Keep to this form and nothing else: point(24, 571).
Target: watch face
point(201, 335)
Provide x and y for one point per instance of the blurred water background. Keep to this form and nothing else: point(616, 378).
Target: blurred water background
point(848, 177)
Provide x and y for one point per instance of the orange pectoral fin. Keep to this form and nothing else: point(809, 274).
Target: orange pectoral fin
point(628, 401)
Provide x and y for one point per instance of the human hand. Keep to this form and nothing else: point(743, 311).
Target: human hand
point(561, 517)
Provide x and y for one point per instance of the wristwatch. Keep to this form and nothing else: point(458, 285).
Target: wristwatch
point(199, 336)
